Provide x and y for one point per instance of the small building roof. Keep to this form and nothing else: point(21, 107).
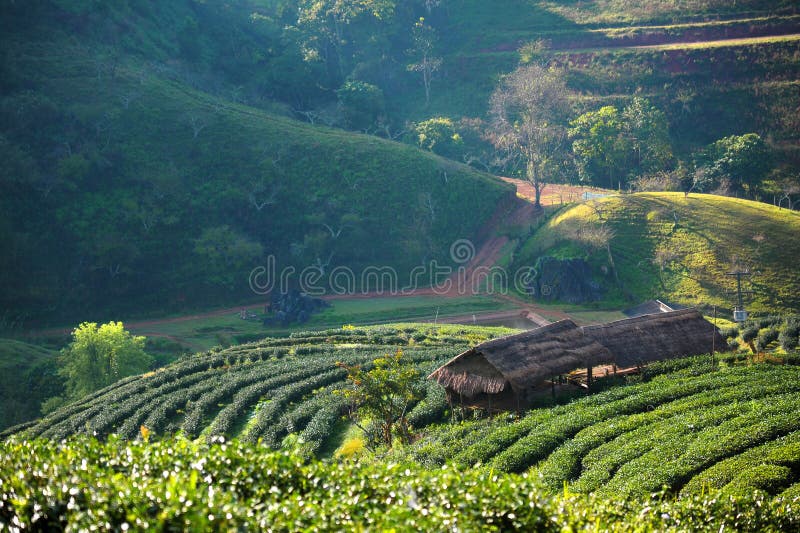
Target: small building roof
point(532, 356)
point(651, 307)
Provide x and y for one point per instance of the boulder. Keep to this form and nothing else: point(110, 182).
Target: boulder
point(564, 280)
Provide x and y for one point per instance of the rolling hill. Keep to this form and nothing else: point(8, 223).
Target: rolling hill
point(693, 440)
point(681, 248)
point(128, 189)
point(29, 378)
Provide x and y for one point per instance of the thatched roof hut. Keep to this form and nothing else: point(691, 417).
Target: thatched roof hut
point(509, 368)
point(657, 337)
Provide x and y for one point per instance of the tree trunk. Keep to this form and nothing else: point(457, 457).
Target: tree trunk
point(533, 177)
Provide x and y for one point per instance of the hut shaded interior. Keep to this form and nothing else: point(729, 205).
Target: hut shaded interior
point(518, 364)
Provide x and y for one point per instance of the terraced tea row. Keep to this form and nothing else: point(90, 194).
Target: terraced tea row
point(637, 439)
point(260, 391)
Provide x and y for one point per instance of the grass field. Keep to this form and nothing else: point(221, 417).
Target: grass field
point(681, 249)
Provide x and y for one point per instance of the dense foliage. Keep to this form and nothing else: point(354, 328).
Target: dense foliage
point(176, 484)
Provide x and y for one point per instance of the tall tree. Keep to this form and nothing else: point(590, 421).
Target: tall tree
point(528, 114)
point(646, 127)
point(426, 63)
point(614, 147)
point(600, 146)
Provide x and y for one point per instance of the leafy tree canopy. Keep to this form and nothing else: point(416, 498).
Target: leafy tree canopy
point(383, 394)
point(743, 160)
point(99, 356)
point(612, 146)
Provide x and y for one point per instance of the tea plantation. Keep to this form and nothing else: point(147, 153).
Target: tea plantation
point(688, 445)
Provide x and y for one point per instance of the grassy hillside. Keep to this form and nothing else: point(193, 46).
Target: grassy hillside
point(680, 249)
point(706, 91)
point(125, 189)
point(29, 378)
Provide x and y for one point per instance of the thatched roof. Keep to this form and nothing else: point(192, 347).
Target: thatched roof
point(530, 357)
point(657, 337)
point(517, 360)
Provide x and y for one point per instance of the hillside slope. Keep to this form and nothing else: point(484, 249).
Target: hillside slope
point(125, 189)
point(29, 378)
point(684, 424)
point(681, 248)
point(706, 92)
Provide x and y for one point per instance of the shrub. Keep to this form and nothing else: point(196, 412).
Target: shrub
point(789, 336)
point(765, 337)
point(750, 332)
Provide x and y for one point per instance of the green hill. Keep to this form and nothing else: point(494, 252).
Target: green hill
point(711, 436)
point(29, 378)
point(262, 390)
point(681, 248)
point(127, 189)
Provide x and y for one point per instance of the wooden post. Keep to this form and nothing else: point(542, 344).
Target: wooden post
point(588, 377)
point(553, 386)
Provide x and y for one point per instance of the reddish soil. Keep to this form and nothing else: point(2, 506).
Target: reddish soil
point(555, 194)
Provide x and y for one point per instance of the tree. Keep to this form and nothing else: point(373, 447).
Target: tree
point(745, 160)
point(383, 394)
point(600, 146)
point(527, 113)
point(99, 356)
point(330, 28)
point(614, 147)
point(439, 135)
point(361, 104)
point(646, 127)
point(424, 38)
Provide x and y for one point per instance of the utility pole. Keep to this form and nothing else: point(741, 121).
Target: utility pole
point(739, 313)
point(714, 337)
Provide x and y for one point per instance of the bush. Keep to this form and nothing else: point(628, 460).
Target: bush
point(789, 336)
point(765, 337)
point(750, 332)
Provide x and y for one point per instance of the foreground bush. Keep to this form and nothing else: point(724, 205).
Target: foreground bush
point(179, 484)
